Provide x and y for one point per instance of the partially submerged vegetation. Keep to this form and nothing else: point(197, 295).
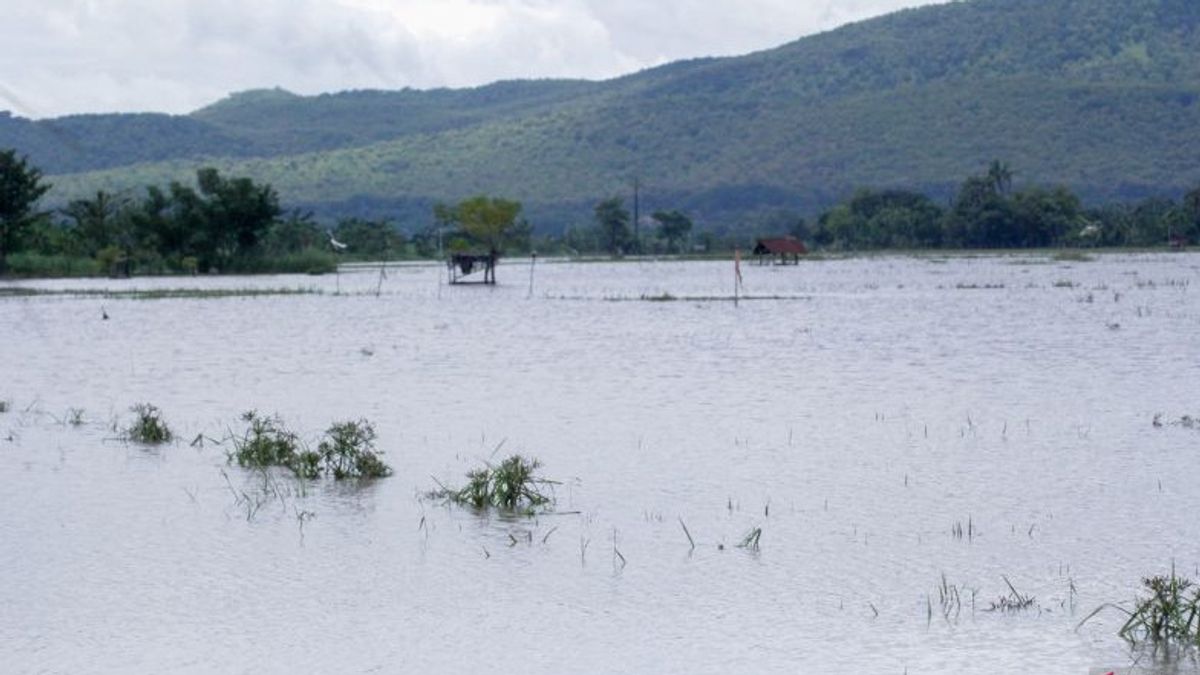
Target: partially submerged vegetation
point(266, 442)
point(155, 293)
point(148, 426)
point(1015, 601)
point(1186, 421)
point(512, 485)
point(751, 540)
point(1168, 617)
point(346, 451)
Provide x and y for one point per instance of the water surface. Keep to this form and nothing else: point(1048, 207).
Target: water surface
point(858, 416)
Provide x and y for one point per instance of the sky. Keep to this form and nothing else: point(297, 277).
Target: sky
point(61, 57)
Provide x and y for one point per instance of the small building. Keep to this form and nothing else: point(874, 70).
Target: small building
point(462, 265)
point(780, 250)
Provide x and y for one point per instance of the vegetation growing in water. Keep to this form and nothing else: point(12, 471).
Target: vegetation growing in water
point(75, 417)
point(1015, 601)
point(148, 426)
point(512, 485)
point(267, 442)
point(347, 451)
point(1169, 617)
point(751, 540)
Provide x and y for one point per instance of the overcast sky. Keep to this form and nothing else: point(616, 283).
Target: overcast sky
point(69, 56)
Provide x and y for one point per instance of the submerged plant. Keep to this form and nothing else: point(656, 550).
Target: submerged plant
point(148, 426)
point(511, 485)
point(267, 442)
point(1169, 617)
point(750, 541)
point(950, 600)
point(348, 451)
point(1013, 602)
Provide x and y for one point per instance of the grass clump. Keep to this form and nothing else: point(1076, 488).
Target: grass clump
point(267, 442)
point(512, 485)
point(148, 426)
point(3, 406)
point(1168, 617)
point(1015, 601)
point(750, 542)
point(348, 451)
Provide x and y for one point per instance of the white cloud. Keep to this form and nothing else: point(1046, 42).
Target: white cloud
point(68, 56)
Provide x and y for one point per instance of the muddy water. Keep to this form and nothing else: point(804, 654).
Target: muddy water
point(859, 412)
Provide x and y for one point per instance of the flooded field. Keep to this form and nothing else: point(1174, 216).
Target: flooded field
point(906, 434)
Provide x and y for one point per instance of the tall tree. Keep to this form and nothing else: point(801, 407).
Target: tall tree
point(21, 187)
point(673, 226)
point(489, 222)
point(1000, 175)
point(376, 238)
point(1191, 207)
point(612, 219)
point(95, 220)
point(293, 233)
point(162, 225)
point(240, 211)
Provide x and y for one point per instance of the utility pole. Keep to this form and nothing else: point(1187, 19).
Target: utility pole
point(637, 235)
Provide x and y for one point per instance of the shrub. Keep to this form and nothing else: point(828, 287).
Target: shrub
point(511, 485)
point(348, 451)
point(266, 442)
point(148, 426)
point(1169, 617)
point(30, 264)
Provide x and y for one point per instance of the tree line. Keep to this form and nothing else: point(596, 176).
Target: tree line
point(223, 224)
point(988, 213)
point(217, 224)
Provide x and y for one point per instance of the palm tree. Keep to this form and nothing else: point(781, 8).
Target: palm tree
point(1000, 175)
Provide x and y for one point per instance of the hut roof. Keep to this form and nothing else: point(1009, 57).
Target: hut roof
point(777, 245)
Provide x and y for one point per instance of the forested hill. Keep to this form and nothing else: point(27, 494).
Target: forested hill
point(1102, 96)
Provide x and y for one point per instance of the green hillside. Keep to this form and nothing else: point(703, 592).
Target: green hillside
point(1100, 95)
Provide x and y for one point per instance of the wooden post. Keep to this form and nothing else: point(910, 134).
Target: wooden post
point(532, 264)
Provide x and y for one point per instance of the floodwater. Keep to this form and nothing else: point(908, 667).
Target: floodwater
point(892, 424)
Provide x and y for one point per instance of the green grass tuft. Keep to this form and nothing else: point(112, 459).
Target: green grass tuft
point(348, 451)
point(1169, 617)
point(267, 442)
point(750, 542)
point(148, 426)
point(512, 485)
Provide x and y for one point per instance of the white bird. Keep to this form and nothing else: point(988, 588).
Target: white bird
point(337, 245)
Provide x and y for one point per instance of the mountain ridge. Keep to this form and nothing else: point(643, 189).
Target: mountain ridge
point(1098, 95)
